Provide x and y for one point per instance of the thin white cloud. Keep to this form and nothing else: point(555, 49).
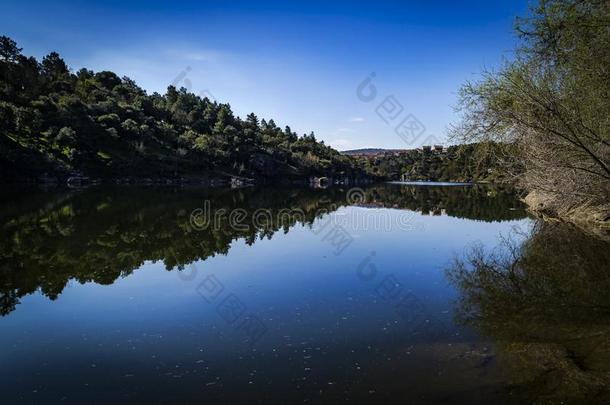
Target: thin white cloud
point(345, 130)
point(356, 119)
point(198, 55)
point(196, 69)
point(341, 144)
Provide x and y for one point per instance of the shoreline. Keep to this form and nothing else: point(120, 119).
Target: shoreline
point(594, 220)
point(218, 181)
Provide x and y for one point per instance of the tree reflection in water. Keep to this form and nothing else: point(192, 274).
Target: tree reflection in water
point(546, 302)
point(101, 234)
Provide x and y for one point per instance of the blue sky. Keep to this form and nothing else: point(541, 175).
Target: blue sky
point(299, 62)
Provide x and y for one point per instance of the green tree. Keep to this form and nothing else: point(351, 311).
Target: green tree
point(53, 66)
point(9, 51)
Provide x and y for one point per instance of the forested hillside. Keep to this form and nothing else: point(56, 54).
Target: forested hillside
point(57, 123)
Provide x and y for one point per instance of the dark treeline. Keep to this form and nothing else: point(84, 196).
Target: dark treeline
point(101, 125)
point(475, 162)
point(476, 202)
point(98, 235)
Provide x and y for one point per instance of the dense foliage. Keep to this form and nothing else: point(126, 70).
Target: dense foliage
point(463, 163)
point(551, 103)
point(98, 124)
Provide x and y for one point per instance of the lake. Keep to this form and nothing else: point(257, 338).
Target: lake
point(386, 293)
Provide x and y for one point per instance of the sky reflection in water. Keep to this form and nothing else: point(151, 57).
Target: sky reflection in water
point(156, 310)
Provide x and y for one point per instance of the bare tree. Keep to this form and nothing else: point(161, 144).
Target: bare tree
point(551, 104)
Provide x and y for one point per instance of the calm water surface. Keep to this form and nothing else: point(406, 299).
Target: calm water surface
point(292, 295)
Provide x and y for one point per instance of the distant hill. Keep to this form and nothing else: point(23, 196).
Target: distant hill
point(369, 151)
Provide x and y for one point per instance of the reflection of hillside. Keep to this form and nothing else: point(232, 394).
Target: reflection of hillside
point(98, 235)
point(547, 304)
point(470, 202)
